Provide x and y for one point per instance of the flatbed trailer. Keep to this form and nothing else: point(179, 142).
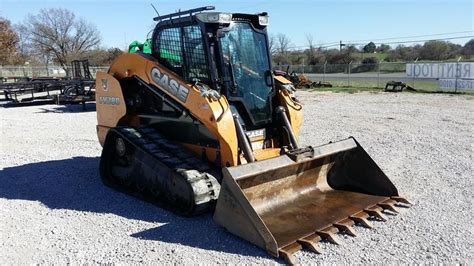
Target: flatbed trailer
point(50, 90)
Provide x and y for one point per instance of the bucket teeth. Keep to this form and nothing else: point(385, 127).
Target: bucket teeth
point(345, 226)
point(310, 243)
point(288, 257)
point(377, 213)
point(403, 201)
point(389, 205)
point(287, 253)
point(330, 235)
point(361, 217)
point(347, 229)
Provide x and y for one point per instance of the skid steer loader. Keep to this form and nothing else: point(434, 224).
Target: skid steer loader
point(203, 124)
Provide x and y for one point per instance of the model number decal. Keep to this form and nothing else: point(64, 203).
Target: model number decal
point(109, 100)
point(169, 84)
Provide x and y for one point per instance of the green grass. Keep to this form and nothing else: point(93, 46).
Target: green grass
point(350, 90)
point(355, 86)
point(379, 56)
point(369, 83)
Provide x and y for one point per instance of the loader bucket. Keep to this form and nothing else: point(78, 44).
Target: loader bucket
point(283, 205)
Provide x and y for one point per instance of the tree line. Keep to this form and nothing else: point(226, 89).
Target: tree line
point(57, 36)
point(283, 54)
point(53, 36)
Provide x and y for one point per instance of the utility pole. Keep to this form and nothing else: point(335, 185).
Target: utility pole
point(341, 45)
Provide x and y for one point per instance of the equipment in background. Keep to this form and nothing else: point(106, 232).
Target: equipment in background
point(80, 88)
point(203, 123)
point(397, 86)
point(137, 46)
point(80, 70)
point(301, 80)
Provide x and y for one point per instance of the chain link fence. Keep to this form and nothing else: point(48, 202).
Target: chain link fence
point(457, 76)
point(41, 71)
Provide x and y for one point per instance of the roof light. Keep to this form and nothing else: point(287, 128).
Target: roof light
point(214, 17)
point(263, 20)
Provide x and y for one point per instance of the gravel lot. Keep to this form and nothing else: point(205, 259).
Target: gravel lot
point(54, 209)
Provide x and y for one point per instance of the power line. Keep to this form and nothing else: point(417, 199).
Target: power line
point(413, 36)
point(335, 44)
point(357, 42)
point(425, 40)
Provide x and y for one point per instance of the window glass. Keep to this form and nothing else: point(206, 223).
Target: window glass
point(170, 50)
point(246, 61)
point(196, 63)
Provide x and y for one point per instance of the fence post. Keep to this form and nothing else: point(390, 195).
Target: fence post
point(349, 74)
point(438, 76)
point(378, 74)
point(324, 71)
point(457, 73)
point(413, 74)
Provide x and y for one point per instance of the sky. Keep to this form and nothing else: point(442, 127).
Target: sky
point(121, 22)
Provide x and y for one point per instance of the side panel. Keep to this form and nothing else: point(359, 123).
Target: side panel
point(214, 114)
point(110, 104)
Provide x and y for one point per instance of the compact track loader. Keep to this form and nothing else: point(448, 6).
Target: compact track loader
point(202, 124)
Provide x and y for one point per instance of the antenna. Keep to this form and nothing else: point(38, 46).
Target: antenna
point(155, 9)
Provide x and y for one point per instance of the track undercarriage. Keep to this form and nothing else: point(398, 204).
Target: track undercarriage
point(140, 162)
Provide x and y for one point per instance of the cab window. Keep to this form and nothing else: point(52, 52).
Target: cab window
point(170, 50)
point(181, 49)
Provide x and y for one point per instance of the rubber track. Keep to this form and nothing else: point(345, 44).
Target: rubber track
point(175, 157)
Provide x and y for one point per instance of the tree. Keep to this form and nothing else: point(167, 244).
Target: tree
point(404, 53)
point(468, 49)
point(313, 55)
point(56, 32)
point(102, 56)
point(113, 53)
point(272, 44)
point(310, 42)
point(283, 43)
point(8, 42)
point(25, 50)
point(383, 48)
point(334, 56)
point(369, 48)
point(435, 50)
point(281, 48)
point(351, 49)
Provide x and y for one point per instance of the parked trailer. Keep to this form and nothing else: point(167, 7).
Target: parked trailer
point(44, 90)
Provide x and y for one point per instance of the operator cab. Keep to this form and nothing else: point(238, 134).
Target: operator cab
point(226, 52)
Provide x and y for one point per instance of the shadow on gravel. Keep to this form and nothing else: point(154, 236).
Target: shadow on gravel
point(10, 104)
point(74, 184)
point(70, 108)
point(203, 233)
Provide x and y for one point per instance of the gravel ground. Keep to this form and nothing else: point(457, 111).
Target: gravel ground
point(54, 209)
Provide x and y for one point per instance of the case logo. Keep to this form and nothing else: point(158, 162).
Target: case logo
point(169, 84)
point(104, 84)
point(256, 134)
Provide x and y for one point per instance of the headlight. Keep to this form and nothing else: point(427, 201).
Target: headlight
point(263, 20)
point(215, 17)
